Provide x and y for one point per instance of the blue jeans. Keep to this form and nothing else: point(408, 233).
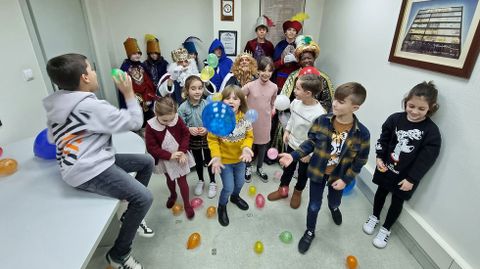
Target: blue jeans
point(117, 183)
point(233, 178)
point(316, 194)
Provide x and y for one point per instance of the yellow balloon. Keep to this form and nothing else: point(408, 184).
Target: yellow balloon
point(8, 167)
point(258, 247)
point(177, 209)
point(252, 190)
point(210, 71)
point(217, 97)
point(211, 211)
point(193, 241)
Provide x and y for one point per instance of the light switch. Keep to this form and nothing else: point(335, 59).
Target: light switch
point(28, 74)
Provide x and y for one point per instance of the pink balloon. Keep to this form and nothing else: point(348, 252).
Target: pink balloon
point(1, 151)
point(196, 202)
point(272, 153)
point(277, 174)
point(260, 201)
point(284, 191)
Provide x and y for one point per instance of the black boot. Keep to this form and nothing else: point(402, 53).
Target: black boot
point(222, 215)
point(239, 202)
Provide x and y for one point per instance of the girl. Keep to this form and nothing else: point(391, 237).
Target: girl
point(230, 153)
point(167, 140)
point(261, 94)
point(191, 113)
point(408, 146)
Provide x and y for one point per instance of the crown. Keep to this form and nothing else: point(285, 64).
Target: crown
point(305, 43)
point(245, 54)
point(180, 54)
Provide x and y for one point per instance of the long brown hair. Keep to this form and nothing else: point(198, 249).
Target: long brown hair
point(428, 91)
point(239, 93)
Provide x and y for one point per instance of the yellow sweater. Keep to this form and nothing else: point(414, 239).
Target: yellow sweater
point(229, 148)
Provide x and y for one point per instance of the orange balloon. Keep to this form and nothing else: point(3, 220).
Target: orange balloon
point(352, 262)
point(211, 211)
point(177, 209)
point(8, 167)
point(193, 241)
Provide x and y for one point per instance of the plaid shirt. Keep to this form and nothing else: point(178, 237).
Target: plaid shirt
point(353, 156)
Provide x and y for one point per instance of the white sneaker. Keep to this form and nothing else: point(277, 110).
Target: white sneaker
point(370, 224)
point(381, 240)
point(212, 190)
point(128, 263)
point(199, 188)
point(144, 231)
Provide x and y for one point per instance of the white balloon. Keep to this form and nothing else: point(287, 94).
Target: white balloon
point(282, 102)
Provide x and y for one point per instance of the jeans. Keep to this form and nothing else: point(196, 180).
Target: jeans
point(117, 183)
point(316, 194)
point(233, 178)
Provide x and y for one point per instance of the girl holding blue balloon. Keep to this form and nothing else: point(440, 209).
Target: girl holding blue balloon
point(230, 150)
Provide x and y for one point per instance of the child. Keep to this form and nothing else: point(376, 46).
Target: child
point(191, 113)
point(82, 127)
point(155, 64)
point(408, 146)
point(224, 63)
point(304, 110)
point(340, 146)
point(261, 94)
point(260, 46)
point(230, 153)
point(167, 140)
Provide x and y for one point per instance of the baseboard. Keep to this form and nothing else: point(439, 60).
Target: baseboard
point(428, 248)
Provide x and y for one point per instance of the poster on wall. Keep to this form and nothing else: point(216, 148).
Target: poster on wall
point(229, 41)
point(280, 11)
point(438, 35)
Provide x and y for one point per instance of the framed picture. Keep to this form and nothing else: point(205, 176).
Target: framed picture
point(438, 35)
point(229, 41)
point(226, 12)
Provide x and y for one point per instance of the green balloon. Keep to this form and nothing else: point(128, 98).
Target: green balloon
point(117, 73)
point(286, 237)
point(212, 60)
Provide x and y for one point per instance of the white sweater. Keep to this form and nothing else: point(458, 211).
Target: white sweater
point(301, 120)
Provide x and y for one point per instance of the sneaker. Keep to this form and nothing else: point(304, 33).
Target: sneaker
point(144, 231)
point(212, 190)
point(262, 175)
point(248, 174)
point(381, 240)
point(199, 188)
point(305, 241)
point(336, 215)
point(370, 224)
point(128, 263)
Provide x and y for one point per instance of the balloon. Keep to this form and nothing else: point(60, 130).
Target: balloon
point(284, 191)
point(207, 73)
point(212, 60)
point(177, 209)
point(349, 188)
point(258, 247)
point(196, 202)
point(308, 70)
point(260, 201)
point(42, 148)
point(281, 102)
point(251, 115)
point(277, 174)
point(1, 151)
point(252, 190)
point(286, 237)
point(272, 153)
point(217, 97)
point(352, 262)
point(218, 118)
point(8, 167)
point(193, 241)
point(117, 73)
point(211, 211)
point(210, 99)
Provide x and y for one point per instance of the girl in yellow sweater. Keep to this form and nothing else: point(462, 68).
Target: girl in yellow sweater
point(230, 153)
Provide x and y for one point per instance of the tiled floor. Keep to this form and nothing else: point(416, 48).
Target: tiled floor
point(232, 246)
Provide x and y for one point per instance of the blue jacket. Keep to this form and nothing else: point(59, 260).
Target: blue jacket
point(224, 64)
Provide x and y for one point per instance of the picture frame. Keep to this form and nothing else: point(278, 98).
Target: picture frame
point(227, 9)
point(438, 35)
point(229, 41)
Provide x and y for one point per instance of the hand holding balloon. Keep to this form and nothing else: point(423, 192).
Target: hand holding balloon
point(123, 83)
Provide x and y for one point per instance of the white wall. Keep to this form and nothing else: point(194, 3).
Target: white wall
point(21, 110)
point(355, 41)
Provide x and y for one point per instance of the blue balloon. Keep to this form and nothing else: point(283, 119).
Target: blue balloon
point(42, 148)
point(209, 99)
point(349, 188)
point(251, 115)
point(218, 118)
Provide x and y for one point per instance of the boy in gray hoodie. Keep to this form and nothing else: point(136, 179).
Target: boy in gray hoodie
point(81, 127)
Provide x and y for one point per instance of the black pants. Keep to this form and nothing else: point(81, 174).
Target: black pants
point(290, 170)
point(393, 211)
point(201, 157)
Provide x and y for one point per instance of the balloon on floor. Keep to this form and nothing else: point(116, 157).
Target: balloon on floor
point(252, 190)
point(286, 237)
point(8, 167)
point(193, 241)
point(351, 262)
point(211, 211)
point(258, 247)
point(177, 209)
point(196, 202)
point(260, 200)
point(42, 148)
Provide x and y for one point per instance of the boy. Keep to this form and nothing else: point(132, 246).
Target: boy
point(81, 126)
point(340, 146)
point(305, 109)
point(155, 64)
point(260, 46)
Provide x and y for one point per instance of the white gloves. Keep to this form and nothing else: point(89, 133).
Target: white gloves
point(176, 73)
point(289, 58)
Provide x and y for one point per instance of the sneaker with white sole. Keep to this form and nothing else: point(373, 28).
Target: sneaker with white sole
point(263, 176)
point(248, 174)
point(212, 190)
point(370, 224)
point(144, 231)
point(128, 263)
point(381, 240)
point(199, 188)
